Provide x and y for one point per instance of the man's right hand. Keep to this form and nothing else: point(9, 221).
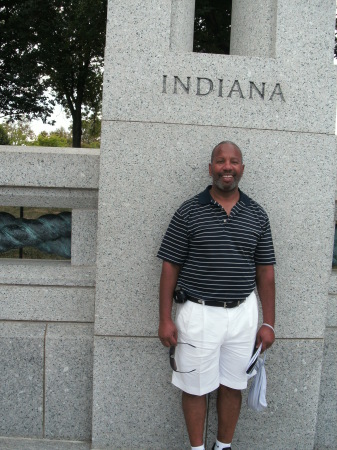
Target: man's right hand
point(168, 333)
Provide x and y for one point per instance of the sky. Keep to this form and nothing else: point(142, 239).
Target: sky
point(60, 118)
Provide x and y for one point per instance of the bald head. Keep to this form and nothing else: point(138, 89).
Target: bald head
point(227, 143)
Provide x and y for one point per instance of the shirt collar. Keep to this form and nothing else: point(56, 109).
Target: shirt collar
point(205, 197)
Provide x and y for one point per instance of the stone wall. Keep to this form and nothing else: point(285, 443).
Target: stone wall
point(47, 307)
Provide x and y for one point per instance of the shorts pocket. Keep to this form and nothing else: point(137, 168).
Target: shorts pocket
point(183, 316)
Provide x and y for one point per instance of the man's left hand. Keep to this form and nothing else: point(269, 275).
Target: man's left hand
point(266, 336)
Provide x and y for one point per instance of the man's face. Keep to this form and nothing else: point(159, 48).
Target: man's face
point(226, 169)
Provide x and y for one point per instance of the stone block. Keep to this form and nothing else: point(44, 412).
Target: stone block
point(21, 379)
point(251, 37)
point(49, 197)
point(293, 376)
point(326, 430)
point(133, 397)
point(137, 215)
point(47, 303)
point(182, 25)
point(305, 31)
point(331, 316)
point(41, 444)
point(148, 26)
point(45, 273)
point(220, 90)
point(83, 237)
point(49, 167)
point(68, 396)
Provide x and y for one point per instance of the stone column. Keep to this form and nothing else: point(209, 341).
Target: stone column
point(253, 28)
point(163, 112)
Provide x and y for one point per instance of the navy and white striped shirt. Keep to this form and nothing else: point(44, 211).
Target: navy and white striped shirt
point(218, 253)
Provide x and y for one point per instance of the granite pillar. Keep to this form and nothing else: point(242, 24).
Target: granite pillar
point(164, 109)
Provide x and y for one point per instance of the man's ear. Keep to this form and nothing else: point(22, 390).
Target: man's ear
point(210, 169)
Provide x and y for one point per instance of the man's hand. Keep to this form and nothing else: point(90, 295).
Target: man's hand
point(266, 336)
point(168, 333)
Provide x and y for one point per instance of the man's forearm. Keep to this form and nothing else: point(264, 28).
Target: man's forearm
point(265, 283)
point(168, 282)
point(167, 331)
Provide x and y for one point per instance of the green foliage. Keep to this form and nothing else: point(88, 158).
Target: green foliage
point(57, 138)
point(56, 44)
point(91, 136)
point(21, 90)
point(212, 26)
point(19, 133)
point(4, 139)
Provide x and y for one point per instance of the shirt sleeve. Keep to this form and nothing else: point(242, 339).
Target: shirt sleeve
point(264, 253)
point(175, 244)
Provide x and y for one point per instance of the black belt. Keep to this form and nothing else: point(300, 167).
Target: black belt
point(223, 304)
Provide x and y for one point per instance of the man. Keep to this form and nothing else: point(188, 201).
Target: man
point(217, 249)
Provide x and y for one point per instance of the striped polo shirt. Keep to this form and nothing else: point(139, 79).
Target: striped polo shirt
point(218, 253)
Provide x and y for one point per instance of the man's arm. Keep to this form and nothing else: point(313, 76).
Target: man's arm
point(167, 330)
point(265, 283)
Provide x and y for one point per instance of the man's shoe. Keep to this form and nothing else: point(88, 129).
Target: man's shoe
point(228, 448)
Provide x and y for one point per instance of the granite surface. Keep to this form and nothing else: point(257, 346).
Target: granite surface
point(21, 379)
point(47, 303)
point(293, 378)
point(326, 430)
point(149, 92)
point(133, 397)
point(83, 237)
point(289, 174)
point(45, 273)
point(49, 197)
point(135, 26)
point(41, 444)
point(182, 25)
point(68, 392)
point(251, 37)
point(49, 167)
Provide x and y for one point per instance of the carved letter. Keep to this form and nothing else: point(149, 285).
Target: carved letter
point(210, 86)
point(252, 85)
point(237, 84)
point(277, 91)
point(164, 84)
point(220, 87)
point(186, 88)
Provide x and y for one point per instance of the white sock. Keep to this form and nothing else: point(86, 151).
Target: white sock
point(201, 447)
point(220, 445)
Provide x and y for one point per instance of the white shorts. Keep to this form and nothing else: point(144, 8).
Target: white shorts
point(223, 341)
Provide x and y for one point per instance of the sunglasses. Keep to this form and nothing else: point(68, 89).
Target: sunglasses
point(173, 363)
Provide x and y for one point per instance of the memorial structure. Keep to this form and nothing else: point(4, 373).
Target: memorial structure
point(82, 367)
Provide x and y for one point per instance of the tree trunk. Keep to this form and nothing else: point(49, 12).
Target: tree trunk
point(77, 127)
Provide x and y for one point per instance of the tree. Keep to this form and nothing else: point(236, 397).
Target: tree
point(65, 39)
point(4, 139)
point(58, 138)
point(212, 26)
point(19, 133)
point(21, 89)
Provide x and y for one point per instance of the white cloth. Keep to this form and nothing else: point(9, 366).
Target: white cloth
point(223, 340)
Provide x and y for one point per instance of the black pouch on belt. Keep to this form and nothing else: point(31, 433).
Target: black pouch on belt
point(179, 295)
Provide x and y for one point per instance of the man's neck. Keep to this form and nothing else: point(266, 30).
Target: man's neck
point(227, 199)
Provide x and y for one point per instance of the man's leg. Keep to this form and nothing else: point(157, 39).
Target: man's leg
point(228, 406)
point(194, 408)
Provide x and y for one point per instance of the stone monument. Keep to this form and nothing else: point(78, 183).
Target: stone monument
point(81, 365)
point(164, 109)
